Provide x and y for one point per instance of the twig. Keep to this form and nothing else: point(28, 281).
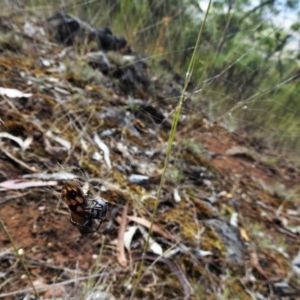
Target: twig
point(120, 246)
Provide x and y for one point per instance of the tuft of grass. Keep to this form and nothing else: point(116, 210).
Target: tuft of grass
point(20, 257)
point(91, 283)
point(262, 240)
point(80, 71)
point(10, 41)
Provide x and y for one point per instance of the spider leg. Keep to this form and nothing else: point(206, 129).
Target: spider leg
point(90, 230)
point(79, 224)
point(94, 230)
point(98, 225)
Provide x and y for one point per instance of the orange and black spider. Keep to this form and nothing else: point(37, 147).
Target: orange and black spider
point(84, 210)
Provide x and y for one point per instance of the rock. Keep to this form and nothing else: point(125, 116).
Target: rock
point(67, 29)
point(98, 60)
point(63, 28)
point(100, 296)
point(230, 238)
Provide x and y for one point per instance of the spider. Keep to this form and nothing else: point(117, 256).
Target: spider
point(96, 209)
point(83, 209)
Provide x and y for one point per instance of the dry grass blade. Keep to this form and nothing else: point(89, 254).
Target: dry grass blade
point(18, 161)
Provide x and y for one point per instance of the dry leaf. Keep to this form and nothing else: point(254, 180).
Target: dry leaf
point(176, 195)
point(244, 235)
point(234, 219)
point(128, 235)
point(13, 93)
point(153, 245)
point(27, 142)
point(104, 149)
point(296, 263)
point(23, 144)
point(147, 224)
point(59, 140)
point(84, 145)
point(53, 150)
point(17, 184)
point(53, 176)
point(204, 253)
point(97, 156)
point(137, 178)
point(237, 150)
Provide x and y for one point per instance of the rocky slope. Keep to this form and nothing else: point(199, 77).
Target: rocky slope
point(78, 102)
